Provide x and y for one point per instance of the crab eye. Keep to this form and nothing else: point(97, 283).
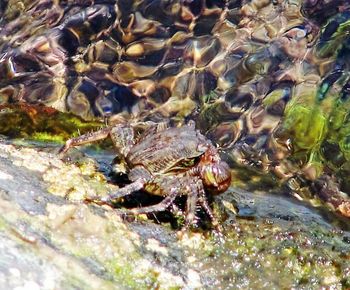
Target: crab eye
point(216, 177)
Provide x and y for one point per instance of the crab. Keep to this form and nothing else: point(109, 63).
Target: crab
point(167, 162)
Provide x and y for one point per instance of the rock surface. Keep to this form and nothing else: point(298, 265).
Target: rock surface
point(50, 239)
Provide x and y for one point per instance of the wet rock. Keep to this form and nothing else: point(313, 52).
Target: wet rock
point(50, 239)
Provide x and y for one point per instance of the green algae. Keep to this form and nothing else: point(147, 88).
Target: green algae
point(209, 98)
point(331, 44)
point(273, 97)
point(307, 125)
point(339, 124)
point(39, 123)
point(46, 137)
point(126, 273)
point(319, 130)
point(265, 255)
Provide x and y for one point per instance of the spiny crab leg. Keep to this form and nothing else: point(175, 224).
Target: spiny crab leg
point(204, 203)
point(85, 139)
point(198, 196)
point(126, 190)
point(191, 207)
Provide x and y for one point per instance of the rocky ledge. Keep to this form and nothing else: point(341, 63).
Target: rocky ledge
point(51, 239)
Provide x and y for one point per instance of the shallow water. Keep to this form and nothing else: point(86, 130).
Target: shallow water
point(267, 81)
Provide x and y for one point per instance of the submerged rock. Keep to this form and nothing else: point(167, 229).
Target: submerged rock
point(50, 239)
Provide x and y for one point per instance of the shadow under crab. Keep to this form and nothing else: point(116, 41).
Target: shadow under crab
point(167, 162)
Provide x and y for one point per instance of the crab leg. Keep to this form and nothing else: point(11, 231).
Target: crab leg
point(191, 207)
point(197, 195)
point(126, 190)
point(163, 205)
point(204, 203)
point(175, 210)
point(84, 139)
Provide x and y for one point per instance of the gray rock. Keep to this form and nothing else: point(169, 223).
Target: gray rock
point(50, 239)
